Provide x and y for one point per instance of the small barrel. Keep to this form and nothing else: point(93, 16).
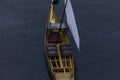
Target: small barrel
point(65, 45)
point(51, 48)
point(51, 45)
point(65, 48)
point(52, 53)
point(66, 53)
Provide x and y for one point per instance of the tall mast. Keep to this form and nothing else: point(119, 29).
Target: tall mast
point(62, 20)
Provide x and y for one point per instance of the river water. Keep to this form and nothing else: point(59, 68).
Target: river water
point(22, 29)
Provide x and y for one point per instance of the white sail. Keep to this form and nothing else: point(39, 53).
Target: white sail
point(72, 23)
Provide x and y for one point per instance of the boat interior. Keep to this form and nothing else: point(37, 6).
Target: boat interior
point(59, 54)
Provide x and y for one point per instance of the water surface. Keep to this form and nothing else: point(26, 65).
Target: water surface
point(22, 25)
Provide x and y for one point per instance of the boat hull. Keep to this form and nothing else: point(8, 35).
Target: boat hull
point(58, 51)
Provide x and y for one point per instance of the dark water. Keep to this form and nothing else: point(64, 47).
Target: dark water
point(22, 25)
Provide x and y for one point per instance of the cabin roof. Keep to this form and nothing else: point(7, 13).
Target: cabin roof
point(56, 26)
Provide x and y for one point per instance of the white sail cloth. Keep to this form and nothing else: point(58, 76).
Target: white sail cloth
point(72, 23)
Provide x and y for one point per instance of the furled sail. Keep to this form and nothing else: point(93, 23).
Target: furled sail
point(72, 23)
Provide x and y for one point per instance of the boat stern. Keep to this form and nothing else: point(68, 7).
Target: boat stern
point(64, 76)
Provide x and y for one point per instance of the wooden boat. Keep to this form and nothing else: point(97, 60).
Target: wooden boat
point(58, 50)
